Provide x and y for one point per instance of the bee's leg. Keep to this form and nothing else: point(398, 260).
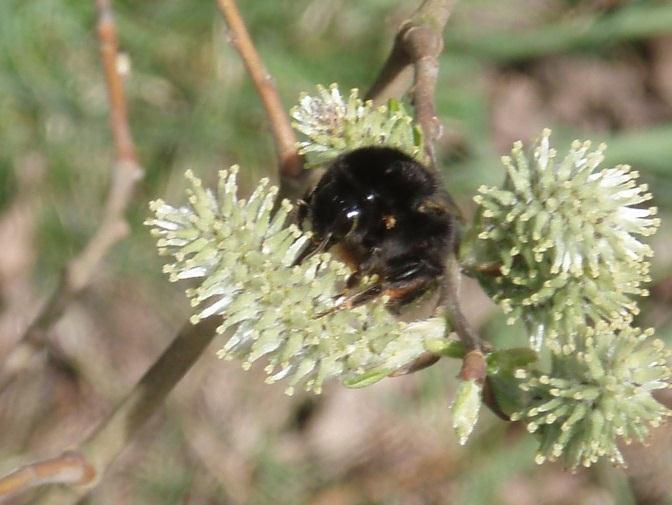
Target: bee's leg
point(303, 207)
point(407, 292)
point(355, 300)
point(351, 282)
point(361, 269)
point(364, 268)
point(406, 284)
point(353, 279)
point(314, 248)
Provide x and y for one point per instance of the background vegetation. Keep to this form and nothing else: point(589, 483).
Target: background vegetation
point(599, 69)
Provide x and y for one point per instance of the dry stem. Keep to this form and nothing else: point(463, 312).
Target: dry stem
point(113, 227)
point(416, 49)
point(68, 468)
point(289, 160)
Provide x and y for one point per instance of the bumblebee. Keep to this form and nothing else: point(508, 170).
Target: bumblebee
point(385, 215)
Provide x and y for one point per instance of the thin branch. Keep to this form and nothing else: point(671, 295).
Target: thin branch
point(291, 165)
point(416, 49)
point(396, 74)
point(113, 226)
point(451, 300)
point(69, 468)
point(426, 45)
point(107, 37)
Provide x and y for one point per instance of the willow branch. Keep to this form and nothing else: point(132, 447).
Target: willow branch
point(396, 75)
point(69, 468)
point(415, 52)
point(426, 46)
point(113, 226)
point(290, 163)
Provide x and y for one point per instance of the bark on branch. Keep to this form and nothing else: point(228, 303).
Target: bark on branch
point(290, 163)
point(416, 50)
point(69, 468)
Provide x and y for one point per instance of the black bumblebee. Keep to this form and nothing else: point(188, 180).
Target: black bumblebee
point(385, 215)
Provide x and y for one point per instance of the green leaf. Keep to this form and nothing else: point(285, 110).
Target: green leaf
point(508, 396)
point(394, 106)
point(445, 347)
point(366, 379)
point(508, 360)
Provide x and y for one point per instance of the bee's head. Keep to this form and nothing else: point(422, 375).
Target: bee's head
point(329, 210)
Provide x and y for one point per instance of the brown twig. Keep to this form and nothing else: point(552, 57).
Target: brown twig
point(416, 49)
point(68, 468)
point(396, 74)
point(424, 45)
point(291, 165)
point(113, 226)
point(473, 364)
point(107, 36)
